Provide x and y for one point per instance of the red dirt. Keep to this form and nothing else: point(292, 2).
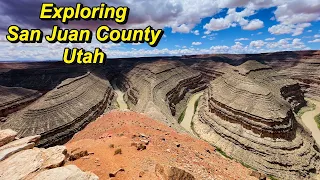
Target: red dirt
point(118, 128)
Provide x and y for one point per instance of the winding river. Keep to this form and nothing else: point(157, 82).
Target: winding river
point(308, 120)
point(186, 123)
point(122, 104)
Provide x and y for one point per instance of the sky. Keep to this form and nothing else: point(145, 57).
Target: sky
point(191, 27)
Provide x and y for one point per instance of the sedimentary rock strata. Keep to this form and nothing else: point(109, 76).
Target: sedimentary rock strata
point(42, 79)
point(14, 98)
point(307, 72)
point(63, 111)
point(247, 113)
point(210, 70)
point(161, 89)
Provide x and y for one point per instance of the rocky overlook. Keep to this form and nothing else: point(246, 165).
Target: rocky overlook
point(245, 113)
point(130, 145)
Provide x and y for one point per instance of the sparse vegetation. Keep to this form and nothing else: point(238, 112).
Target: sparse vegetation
point(317, 119)
point(310, 107)
point(247, 166)
point(118, 105)
point(118, 151)
point(222, 152)
point(111, 146)
point(272, 178)
point(196, 105)
point(182, 116)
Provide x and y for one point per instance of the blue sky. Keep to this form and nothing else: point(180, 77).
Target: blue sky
point(205, 27)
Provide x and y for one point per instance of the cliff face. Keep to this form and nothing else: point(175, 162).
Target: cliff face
point(13, 99)
point(42, 79)
point(307, 72)
point(63, 111)
point(244, 112)
point(161, 89)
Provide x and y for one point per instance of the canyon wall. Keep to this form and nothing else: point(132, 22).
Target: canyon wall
point(248, 113)
point(161, 89)
point(63, 111)
point(13, 99)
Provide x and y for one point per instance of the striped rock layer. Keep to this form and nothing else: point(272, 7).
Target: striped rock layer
point(63, 111)
point(245, 114)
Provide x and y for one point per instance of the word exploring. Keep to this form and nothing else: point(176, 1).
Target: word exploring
point(102, 12)
point(103, 34)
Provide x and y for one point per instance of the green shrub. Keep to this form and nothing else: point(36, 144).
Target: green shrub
point(182, 116)
point(317, 119)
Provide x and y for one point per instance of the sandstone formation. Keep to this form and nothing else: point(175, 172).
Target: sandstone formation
point(161, 89)
point(166, 153)
point(247, 112)
point(20, 160)
point(307, 72)
point(63, 111)
point(13, 99)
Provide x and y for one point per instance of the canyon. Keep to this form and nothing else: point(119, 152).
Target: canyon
point(215, 116)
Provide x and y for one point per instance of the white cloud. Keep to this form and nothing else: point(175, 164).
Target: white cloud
point(207, 32)
point(295, 30)
point(257, 44)
point(253, 25)
point(234, 18)
point(317, 36)
point(314, 41)
point(196, 32)
point(136, 44)
point(297, 12)
point(219, 49)
point(196, 43)
point(241, 39)
point(270, 39)
point(203, 37)
point(182, 28)
point(309, 31)
point(285, 44)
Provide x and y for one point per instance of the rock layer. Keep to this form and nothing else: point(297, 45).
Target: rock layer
point(63, 111)
point(244, 112)
point(161, 89)
point(13, 99)
point(307, 72)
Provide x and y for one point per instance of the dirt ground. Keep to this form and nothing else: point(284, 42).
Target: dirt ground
point(126, 130)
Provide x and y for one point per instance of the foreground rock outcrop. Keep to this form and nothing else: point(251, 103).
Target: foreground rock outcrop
point(129, 145)
point(63, 111)
point(161, 89)
point(245, 113)
point(20, 160)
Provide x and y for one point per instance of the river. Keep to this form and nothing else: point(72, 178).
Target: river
point(122, 104)
point(186, 123)
point(308, 120)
